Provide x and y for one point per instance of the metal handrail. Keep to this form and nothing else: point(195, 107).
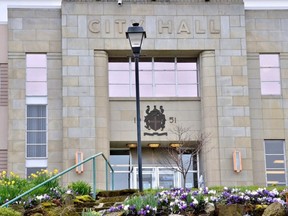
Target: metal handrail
point(68, 170)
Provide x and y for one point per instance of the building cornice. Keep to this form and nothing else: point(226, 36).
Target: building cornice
point(248, 4)
point(266, 5)
point(166, 1)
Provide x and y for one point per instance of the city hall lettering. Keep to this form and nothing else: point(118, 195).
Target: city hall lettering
point(195, 26)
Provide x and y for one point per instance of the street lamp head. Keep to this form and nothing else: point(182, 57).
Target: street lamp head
point(135, 34)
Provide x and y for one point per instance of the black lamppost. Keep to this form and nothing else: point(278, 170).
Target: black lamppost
point(135, 34)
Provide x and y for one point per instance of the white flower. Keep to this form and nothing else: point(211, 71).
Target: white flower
point(241, 194)
point(246, 197)
point(212, 192)
point(40, 197)
point(195, 202)
point(254, 193)
point(69, 192)
point(275, 191)
point(213, 198)
point(234, 190)
point(126, 207)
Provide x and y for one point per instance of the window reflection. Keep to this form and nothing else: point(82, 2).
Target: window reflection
point(36, 60)
point(147, 181)
point(158, 77)
point(166, 180)
point(270, 74)
point(36, 75)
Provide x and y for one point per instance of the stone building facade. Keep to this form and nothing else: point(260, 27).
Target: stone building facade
point(241, 97)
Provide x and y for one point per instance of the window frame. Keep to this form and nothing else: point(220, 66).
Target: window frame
point(275, 68)
point(153, 60)
point(121, 169)
point(32, 68)
point(46, 134)
point(36, 62)
point(268, 169)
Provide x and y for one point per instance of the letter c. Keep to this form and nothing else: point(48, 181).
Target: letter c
point(94, 26)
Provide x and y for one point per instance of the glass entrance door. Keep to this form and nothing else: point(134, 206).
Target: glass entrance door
point(157, 177)
point(120, 161)
point(167, 178)
point(148, 177)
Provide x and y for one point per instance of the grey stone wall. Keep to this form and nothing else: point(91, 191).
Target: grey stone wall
point(172, 28)
point(78, 41)
point(33, 31)
point(266, 33)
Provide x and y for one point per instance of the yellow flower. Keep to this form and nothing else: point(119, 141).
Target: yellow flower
point(13, 182)
point(34, 175)
point(9, 183)
point(3, 172)
point(55, 171)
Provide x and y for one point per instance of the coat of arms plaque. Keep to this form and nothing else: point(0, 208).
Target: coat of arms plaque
point(155, 120)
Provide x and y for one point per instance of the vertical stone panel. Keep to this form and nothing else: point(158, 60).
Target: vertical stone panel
point(210, 154)
point(55, 104)
point(284, 72)
point(102, 113)
point(4, 43)
point(16, 113)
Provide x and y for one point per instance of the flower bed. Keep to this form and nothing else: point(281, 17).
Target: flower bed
point(246, 200)
point(11, 185)
point(196, 202)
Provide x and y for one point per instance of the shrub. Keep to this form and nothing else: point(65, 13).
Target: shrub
point(80, 188)
point(11, 186)
point(41, 176)
point(90, 212)
point(138, 205)
point(9, 212)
